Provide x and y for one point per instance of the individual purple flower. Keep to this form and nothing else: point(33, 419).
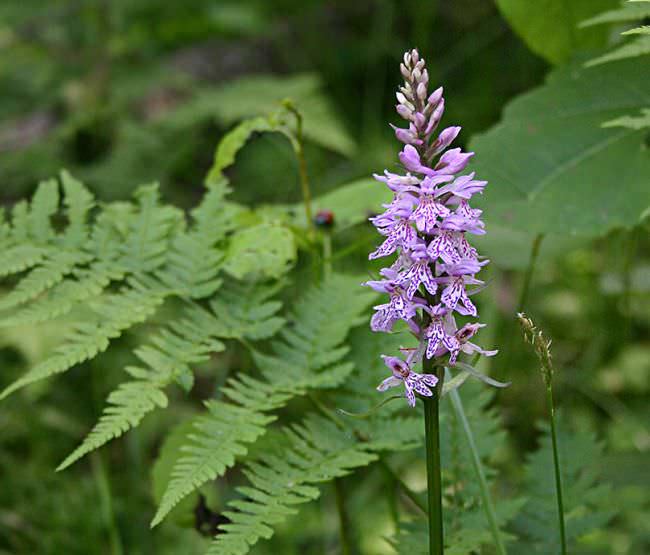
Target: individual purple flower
point(402, 374)
point(426, 226)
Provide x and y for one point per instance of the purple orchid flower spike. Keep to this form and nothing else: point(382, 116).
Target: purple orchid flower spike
point(402, 374)
point(426, 226)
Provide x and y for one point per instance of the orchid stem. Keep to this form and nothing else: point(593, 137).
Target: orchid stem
point(434, 481)
point(486, 498)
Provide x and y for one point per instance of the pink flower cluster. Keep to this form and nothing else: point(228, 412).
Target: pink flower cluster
point(426, 225)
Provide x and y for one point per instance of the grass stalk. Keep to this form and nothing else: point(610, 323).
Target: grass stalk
point(486, 497)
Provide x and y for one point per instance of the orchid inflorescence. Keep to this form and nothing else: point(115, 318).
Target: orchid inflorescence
point(426, 224)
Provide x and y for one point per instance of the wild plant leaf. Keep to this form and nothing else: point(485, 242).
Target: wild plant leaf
point(307, 355)
point(638, 47)
point(257, 95)
point(631, 122)
point(313, 452)
point(264, 250)
point(550, 163)
point(549, 27)
point(627, 12)
point(231, 144)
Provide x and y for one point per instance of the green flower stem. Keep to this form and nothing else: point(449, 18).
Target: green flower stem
point(486, 498)
point(434, 478)
point(556, 465)
point(297, 145)
point(327, 255)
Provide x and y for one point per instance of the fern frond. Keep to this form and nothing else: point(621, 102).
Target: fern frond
point(193, 266)
point(324, 315)
point(114, 314)
point(148, 234)
point(220, 437)
point(244, 310)
point(20, 231)
point(185, 341)
point(128, 405)
point(79, 202)
point(44, 205)
point(315, 452)
point(62, 298)
point(320, 323)
point(20, 258)
point(44, 277)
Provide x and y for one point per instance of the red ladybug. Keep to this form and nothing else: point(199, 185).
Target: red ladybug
point(324, 218)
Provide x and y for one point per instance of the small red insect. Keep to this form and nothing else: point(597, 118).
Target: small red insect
point(324, 218)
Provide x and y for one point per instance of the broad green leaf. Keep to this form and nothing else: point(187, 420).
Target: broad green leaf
point(552, 167)
point(265, 250)
point(549, 27)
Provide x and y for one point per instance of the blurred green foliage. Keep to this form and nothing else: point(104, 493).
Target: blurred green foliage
point(123, 93)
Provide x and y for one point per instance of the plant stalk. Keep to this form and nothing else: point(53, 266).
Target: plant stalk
point(302, 165)
point(108, 515)
point(405, 489)
point(434, 481)
point(344, 519)
point(556, 465)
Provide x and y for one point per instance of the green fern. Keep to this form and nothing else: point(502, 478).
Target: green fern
point(49, 273)
point(112, 315)
point(314, 452)
point(18, 258)
point(84, 284)
point(311, 357)
point(169, 356)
